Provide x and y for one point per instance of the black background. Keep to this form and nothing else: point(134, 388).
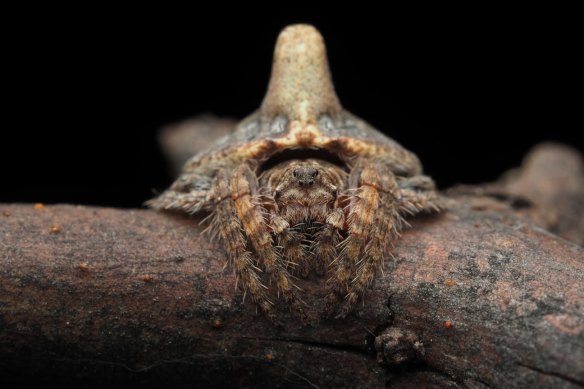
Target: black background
point(85, 91)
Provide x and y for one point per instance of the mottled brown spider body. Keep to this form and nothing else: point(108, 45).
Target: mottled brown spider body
point(302, 185)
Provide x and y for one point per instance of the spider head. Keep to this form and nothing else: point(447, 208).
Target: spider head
point(305, 181)
point(305, 174)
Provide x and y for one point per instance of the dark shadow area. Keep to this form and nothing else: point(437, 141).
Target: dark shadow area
point(87, 95)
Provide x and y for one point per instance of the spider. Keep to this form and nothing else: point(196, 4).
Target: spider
point(303, 186)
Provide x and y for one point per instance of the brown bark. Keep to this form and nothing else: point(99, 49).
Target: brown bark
point(476, 297)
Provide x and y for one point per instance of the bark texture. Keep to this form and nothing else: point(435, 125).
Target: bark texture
point(483, 295)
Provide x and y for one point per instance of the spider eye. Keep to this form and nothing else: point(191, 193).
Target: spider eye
point(315, 174)
point(295, 173)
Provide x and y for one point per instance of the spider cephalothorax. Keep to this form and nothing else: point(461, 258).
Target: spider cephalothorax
point(304, 189)
point(282, 207)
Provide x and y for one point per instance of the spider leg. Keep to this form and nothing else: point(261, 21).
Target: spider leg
point(292, 242)
point(191, 202)
point(230, 227)
point(190, 193)
point(418, 194)
point(373, 219)
point(350, 248)
point(324, 246)
point(249, 210)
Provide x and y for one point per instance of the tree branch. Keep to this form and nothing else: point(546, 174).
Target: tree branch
point(479, 296)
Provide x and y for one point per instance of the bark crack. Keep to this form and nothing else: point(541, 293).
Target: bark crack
point(344, 347)
point(561, 376)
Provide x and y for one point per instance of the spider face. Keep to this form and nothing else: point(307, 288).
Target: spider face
point(305, 175)
point(304, 182)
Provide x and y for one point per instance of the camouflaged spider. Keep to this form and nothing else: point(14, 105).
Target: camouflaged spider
point(302, 185)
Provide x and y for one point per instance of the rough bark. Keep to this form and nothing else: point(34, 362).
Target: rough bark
point(480, 296)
